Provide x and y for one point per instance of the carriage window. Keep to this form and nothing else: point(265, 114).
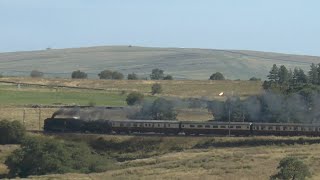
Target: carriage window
point(263, 127)
point(199, 126)
point(278, 128)
point(270, 128)
point(238, 127)
point(121, 124)
point(214, 126)
point(310, 129)
point(135, 125)
point(248, 127)
point(302, 129)
point(191, 125)
point(295, 128)
point(168, 125)
point(230, 126)
point(207, 126)
point(158, 125)
point(182, 125)
point(285, 128)
point(222, 126)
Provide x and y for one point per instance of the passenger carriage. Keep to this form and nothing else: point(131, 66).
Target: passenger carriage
point(146, 126)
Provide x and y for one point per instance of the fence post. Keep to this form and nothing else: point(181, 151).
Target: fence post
point(23, 117)
point(39, 118)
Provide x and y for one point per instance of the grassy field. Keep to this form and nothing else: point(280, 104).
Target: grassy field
point(182, 63)
point(178, 158)
point(176, 88)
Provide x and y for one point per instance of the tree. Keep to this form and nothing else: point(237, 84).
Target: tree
point(117, 75)
point(168, 77)
point(274, 74)
point(79, 75)
point(134, 98)
point(156, 89)
point(160, 109)
point(157, 74)
point(217, 76)
point(40, 155)
point(132, 76)
point(291, 168)
point(283, 75)
point(11, 132)
point(36, 74)
point(313, 74)
point(105, 74)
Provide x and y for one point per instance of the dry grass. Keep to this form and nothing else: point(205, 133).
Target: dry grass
point(214, 163)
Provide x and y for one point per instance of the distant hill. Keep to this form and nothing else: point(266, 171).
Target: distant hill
point(182, 63)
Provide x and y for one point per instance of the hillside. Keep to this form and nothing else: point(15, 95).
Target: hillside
point(182, 63)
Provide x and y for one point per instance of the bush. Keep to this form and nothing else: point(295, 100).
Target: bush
point(156, 89)
point(254, 79)
point(132, 76)
point(217, 76)
point(11, 132)
point(134, 98)
point(39, 156)
point(36, 74)
point(107, 74)
point(291, 168)
point(79, 75)
point(168, 77)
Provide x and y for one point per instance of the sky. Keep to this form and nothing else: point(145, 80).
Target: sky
point(287, 26)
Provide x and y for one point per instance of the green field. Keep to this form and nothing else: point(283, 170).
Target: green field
point(182, 63)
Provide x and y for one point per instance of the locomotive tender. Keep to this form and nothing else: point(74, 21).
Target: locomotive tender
point(181, 127)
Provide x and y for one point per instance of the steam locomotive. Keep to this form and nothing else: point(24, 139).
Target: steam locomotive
point(180, 127)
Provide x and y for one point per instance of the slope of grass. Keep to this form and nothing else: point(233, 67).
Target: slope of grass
point(177, 157)
point(180, 62)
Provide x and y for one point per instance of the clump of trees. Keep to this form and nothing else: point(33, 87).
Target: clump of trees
point(156, 89)
point(158, 74)
point(36, 74)
point(160, 109)
point(291, 168)
point(287, 81)
point(134, 98)
point(107, 74)
point(39, 156)
point(79, 75)
point(254, 79)
point(217, 76)
point(11, 132)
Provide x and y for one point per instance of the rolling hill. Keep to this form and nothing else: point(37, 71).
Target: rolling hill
point(182, 63)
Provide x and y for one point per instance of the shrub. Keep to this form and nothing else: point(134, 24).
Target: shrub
point(168, 77)
point(79, 75)
point(134, 98)
point(156, 89)
point(39, 156)
point(291, 168)
point(132, 76)
point(11, 132)
point(217, 76)
point(36, 74)
point(254, 79)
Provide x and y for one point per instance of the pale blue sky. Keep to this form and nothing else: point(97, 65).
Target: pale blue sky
point(288, 26)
